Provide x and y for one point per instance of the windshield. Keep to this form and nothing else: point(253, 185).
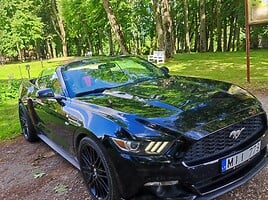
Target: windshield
point(96, 75)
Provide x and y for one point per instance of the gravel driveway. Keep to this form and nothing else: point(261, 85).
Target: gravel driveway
point(34, 171)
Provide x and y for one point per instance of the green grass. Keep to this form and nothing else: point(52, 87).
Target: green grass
point(229, 67)
point(18, 70)
point(9, 83)
point(9, 125)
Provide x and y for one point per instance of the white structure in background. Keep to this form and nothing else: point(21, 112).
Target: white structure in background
point(89, 53)
point(158, 57)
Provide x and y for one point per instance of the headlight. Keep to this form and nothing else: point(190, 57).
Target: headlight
point(142, 147)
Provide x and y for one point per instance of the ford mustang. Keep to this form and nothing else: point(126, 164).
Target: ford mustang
point(131, 128)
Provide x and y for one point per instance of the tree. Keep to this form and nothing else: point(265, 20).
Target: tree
point(219, 26)
point(158, 25)
point(186, 26)
point(167, 27)
point(203, 35)
point(211, 26)
point(20, 27)
point(58, 24)
point(163, 26)
point(116, 27)
point(113, 27)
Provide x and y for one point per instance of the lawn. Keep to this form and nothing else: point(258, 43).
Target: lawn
point(9, 125)
point(18, 70)
point(229, 67)
point(221, 66)
point(10, 75)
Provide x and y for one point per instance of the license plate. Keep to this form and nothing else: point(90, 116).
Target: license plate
point(238, 159)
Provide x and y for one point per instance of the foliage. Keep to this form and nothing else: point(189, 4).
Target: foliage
point(9, 90)
point(30, 26)
point(20, 27)
point(39, 175)
point(9, 125)
point(9, 86)
point(60, 188)
point(79, 16)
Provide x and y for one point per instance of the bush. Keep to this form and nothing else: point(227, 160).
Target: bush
point(9, 89)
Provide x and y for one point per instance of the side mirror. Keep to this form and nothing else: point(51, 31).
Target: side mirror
point(165, 70)
point(45, 93)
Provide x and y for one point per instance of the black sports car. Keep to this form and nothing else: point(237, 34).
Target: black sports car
point(132, 128)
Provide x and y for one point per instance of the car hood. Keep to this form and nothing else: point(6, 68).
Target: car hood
point(176, 106)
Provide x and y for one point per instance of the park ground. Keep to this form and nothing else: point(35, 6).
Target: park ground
point(34, 171)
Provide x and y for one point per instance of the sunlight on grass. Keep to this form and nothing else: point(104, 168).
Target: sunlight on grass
point(9, 125)
point(230, 67)
point(18, 70)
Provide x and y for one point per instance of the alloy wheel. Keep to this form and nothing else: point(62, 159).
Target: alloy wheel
point(94, 172)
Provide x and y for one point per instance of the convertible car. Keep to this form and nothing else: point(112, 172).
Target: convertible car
point(131, 128)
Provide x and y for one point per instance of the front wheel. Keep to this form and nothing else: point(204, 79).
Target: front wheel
point(27, 127)
point(96, 170)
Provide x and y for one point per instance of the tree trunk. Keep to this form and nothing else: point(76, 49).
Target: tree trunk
point(56, 9)
point(90, 45)
point(100, 45)
point(19, 52)
point(211, 28)
point(152, 43)
point(238, 38)
point(219, 27)
point(159, 28)
point(197, 35)
point(37, 50)
point(138, 43)
point(236, 28)
point(167, 25)
point(231, 33)
point(49, 52)
point(111, 43)
point(203, 35)
point(211, 40)
point(54, 54)
point(116, 27)
point(225, 36)
point(186, 26)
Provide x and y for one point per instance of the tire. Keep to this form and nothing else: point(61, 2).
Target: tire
point(97, 172)
point(28, 130)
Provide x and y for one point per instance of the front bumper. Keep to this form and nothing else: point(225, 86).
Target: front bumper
point(165, 177)
point(242, 177)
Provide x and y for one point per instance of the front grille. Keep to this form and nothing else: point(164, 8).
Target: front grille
point(220, 143)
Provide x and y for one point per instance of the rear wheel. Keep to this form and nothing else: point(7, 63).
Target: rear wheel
point(96, 170)
point(27, 127)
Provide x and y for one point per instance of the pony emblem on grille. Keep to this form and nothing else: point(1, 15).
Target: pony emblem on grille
point(235, 134)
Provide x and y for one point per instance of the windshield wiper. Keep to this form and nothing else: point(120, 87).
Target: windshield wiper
point(97, 90)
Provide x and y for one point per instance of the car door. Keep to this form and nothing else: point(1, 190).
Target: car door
point(53, 121)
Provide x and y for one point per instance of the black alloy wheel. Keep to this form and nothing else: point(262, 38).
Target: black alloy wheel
point(96, 170)
point(27, 127)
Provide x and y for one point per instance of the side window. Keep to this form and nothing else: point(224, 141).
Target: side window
point(55, 84)
point(42, 82)
point(44, 79)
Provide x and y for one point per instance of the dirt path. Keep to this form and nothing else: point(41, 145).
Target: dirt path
point(34, 171)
